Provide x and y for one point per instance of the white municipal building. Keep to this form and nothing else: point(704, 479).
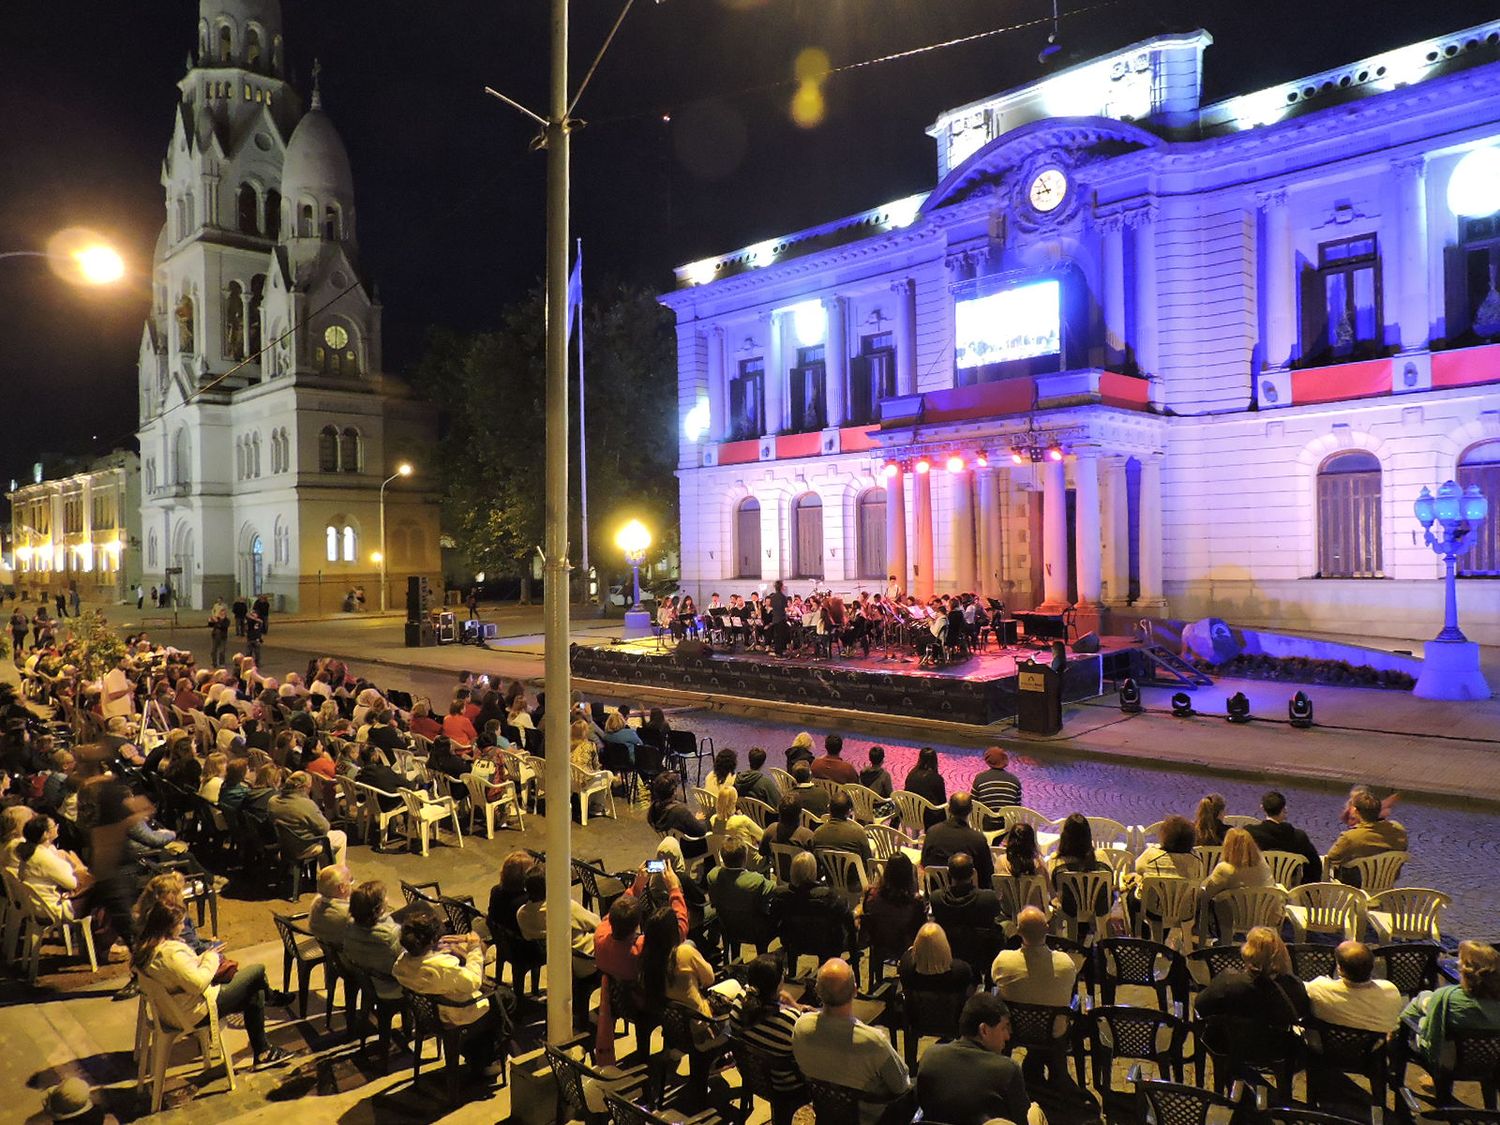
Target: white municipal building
point(260, 470)
point(1132, 352)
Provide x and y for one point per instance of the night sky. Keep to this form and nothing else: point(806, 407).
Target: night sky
point(450, 199)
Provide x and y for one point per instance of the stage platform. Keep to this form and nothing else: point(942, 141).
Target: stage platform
point(980, 690)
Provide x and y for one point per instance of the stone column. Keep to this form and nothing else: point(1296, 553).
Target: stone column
point(1151, 597)
point(1143, 221)
point(1415, 315)
point(775, 377)
point(836, 362)
point(991, 545)
point(906, 335)
point(718, 422)
point(963, 529)
point(1115, 529)
point(1087, 533)
point(1112, 238)
point(921, 505)
point(1054, 536)
point(895, 525)
point(1280, 271)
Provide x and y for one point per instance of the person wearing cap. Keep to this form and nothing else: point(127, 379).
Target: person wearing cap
point(72, 1100)
point(971, 1080)
point(995, 786)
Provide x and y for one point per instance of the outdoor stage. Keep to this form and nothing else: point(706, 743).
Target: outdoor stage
point(982, 689)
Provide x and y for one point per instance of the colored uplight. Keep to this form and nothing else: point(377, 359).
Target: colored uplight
point(923, 465)
point(809, 323)
point(1016, 458)
point(1054, 452)
point(956, 464)
point(1474, 186)
point(981, 461)
point(695, 422)
point(889, 469)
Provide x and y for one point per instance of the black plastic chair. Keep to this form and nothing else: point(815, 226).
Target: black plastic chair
point(297, 945)
point(426, 1020)
point(759, 1074)
point(1034, 1027)
point(1174, 1103)
point(1448, 1115)
point(373, 1008)
point(1222, 1041)
point(628, 1005)
point(1218, 959)
point(928, 1012)
point(688, 1033)
point(1295, 1115)
point(1311, 960)
point(572, 1105)
point(1145, 964)
point(301, 860)
point(1476, 1058)
point(461, 913)
point(1135, 1033)
point(429, 893)
point(834, 1104)
point(1410, 965)
point(587, 875)
point(1335, 1049)
point(622, 1112)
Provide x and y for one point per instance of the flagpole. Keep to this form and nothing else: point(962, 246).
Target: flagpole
point(583, 433)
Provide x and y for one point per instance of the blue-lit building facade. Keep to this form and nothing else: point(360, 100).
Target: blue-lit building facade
point(1133, 353)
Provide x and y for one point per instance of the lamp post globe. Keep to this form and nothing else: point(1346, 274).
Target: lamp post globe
point(634, 539)
point(1450, 661)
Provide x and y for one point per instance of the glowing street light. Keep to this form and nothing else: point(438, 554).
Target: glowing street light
point(80, 257)
point(402, 470)
point(1450, 524)
point(635, 540)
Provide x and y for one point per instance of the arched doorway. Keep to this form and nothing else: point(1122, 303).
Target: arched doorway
point(257, 567)
point(747, 538)
point(807, 536)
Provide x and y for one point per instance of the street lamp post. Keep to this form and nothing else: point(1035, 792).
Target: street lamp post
point(1450, 522)
point(634, 539)
point(86, 259)
point(402, 470)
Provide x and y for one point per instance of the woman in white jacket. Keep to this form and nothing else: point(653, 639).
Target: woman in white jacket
point(161, 955)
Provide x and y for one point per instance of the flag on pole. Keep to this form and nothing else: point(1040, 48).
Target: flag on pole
point(575, 291)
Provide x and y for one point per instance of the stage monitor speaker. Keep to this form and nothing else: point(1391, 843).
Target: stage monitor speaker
point(1089, 642)
point(418, 597)
point(690, 649)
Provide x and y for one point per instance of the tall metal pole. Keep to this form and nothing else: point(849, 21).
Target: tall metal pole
point(382, 541)
point(555, 598)
point(583, 441)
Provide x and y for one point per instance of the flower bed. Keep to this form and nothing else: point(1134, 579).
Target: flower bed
point(1307, 670)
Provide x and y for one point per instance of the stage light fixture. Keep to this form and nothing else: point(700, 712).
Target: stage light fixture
point(890, 469)
point(1130, 697)
point(1182, 705)
point(1300, 710)
point(1238, 706)
point(956, 464)
point(1054, 452)
point(923, 465)
point(981, 461)
point(1016, 458)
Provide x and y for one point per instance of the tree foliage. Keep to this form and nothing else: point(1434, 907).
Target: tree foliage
point(491, 388)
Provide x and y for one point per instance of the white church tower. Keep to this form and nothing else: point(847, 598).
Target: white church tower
point(266, 423)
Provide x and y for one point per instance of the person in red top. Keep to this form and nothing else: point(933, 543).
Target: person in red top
point(471, 706)
point(457, 727)
point(831, 767)
point(422, 721)
point(618, 942)
point(315, 759)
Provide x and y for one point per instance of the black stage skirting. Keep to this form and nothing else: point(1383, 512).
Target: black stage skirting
point(942, 696)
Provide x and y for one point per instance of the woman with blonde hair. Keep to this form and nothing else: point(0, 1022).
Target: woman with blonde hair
point(517, 716)
point(929, 965)
point(328, 715)
point(1258, 1005)
point(801, 750)
point(1473, 1004)
point(728, 823)
point(1241, 865)
point(213, 776)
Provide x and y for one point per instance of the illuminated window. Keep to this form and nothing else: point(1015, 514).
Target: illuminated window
point(872, 376)
point(349, 544)
point(808, 389)
point(1341, 302)
point(333, 543)
point(747, 401)
point(1349, 539)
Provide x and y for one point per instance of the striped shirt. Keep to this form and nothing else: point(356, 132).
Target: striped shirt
point(772, 1035)
point(997, 788)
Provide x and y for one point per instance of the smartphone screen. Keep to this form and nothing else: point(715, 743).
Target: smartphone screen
point(656, 866)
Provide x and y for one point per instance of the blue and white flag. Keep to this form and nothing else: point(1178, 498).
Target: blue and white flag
point(575, 291)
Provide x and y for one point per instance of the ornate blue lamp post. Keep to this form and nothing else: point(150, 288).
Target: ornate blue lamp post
point(1451, 519)
point(635, 540)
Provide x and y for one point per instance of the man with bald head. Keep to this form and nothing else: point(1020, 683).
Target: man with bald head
point(1355, 998)
point(956, 835)
point(1035, 974)
point(832, 1045)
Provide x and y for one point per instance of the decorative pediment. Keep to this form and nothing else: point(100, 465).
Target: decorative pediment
point(1071, 141)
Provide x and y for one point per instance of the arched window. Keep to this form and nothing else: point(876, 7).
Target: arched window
point(306, 227)
point(255, 455)
point(350, 546)
point(239, 458)
point(226, 44)
point(234, 322)
point(1480, 466)
point(332, 534)
point(249, 210)
point(281, 543)
point(807, 536)
point(349, 451)
point(747, 538)
point(328, 450)
point(257, 566)
point(331, 223)
point(185, 325)
point(252, 48)
point(272, 226)
point(869, 525)
point(253, 312)
point(151, 549)
point(182, 457)
point(1349, 539)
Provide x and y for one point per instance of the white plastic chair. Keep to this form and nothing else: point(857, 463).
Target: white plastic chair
point(785, 780)
point(1090, 890)
point(886, 841)
point(167, 1024)
point(781, 861)
point(913, 808)
point(1209, 855)
point(39, 922)
point(1407, 914)
point(520, 767)
point(1144, 835)
point(1167, 904)
point(1326, 908)
point(865, 802)
point(377, 818)
point(1017, 892)
point(708, 803)
point(1120, 859)
point(757, 810)
point(425, 816)
point(1376, 872)
point(846, 873)
point(1286, 868)
point(1244, 908)
point(1109, 833)
point(481, 806)
point(1241, 821)
point(811, 821)
point(586, 782)
point(935, 879)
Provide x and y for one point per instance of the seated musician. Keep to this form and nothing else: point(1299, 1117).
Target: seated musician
point(933, 640)
point(687, 617)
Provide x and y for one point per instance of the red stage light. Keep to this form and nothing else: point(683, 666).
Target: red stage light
point(956, 464)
